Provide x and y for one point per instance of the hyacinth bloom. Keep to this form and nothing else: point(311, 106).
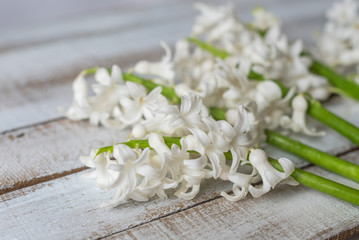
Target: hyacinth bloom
point(140, 174)
point(176, 141)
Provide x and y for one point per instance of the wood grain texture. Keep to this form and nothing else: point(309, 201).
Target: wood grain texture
point(43, 196)
point(49, 150)
point(122, 16)
point(67, 208)
point(37, 72)
point(284, 213)
point(93, 18)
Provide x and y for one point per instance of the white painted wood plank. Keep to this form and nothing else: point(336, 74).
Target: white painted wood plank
point(67, 208)
point(39, 102)
point(49, 150)
point(29, 76)
point(127, 13)
point(43, 200)
point(117, 19)
point(17, 14)
point(70, 59)
point(23, 66)
point(285, 213)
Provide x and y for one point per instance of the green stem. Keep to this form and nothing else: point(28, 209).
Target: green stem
point(343, 127)
point(319, 158)
point(321, 184)
point(311, 180)
point(348, 87)
point(218, 113)
point(315, 109)
point(315, 156)
point(209, 48)
point(141, 144)
point(168, 92)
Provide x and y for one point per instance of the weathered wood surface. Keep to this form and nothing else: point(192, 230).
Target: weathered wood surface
point(285, 213)
point(36, 72)
point(49, 150)
point(43, 196)
point(68, 207)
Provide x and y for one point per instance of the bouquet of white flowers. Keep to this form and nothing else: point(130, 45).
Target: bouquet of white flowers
point(204, 112)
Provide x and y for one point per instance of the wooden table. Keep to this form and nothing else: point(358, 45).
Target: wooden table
point(44, 45)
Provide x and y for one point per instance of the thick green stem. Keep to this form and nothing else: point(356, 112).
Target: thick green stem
point(319, 158)
point(321, 184)
point(343, 127)
point(311, 180)
point(346, 86)
point(315, 109)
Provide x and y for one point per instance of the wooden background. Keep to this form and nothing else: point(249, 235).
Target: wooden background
point(45, 44)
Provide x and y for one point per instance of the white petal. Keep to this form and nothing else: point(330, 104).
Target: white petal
point(103, 77)
point(153, 94)
point(123, 153)
point(143, 157)
point(158, 144)
point(201, 136)
point(148, 171)
point(136, 90)
point(189, 195)
point(116, 74)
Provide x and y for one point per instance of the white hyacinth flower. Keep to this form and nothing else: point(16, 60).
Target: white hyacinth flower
point(210, 17)
point(210, 143)
point(344, 11)
point(139, 104)
point(108, 91)
point(174, 121)
point(298, 121)
point(269, 175)
point(263, 20)
point(180, 166)
point(189, 114)
point(132, 169)
point(207, 83)
point(338, 43)
point(105, 176)
point(80, 108)
point(239, 138)
point(163, 70)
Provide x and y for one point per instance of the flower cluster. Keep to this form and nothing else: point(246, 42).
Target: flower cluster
point(208, 149)
point(263, 44)
point(225, 84)
point(181, 142)
point(115, 103)
point(338, 44)
point(221, 83)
